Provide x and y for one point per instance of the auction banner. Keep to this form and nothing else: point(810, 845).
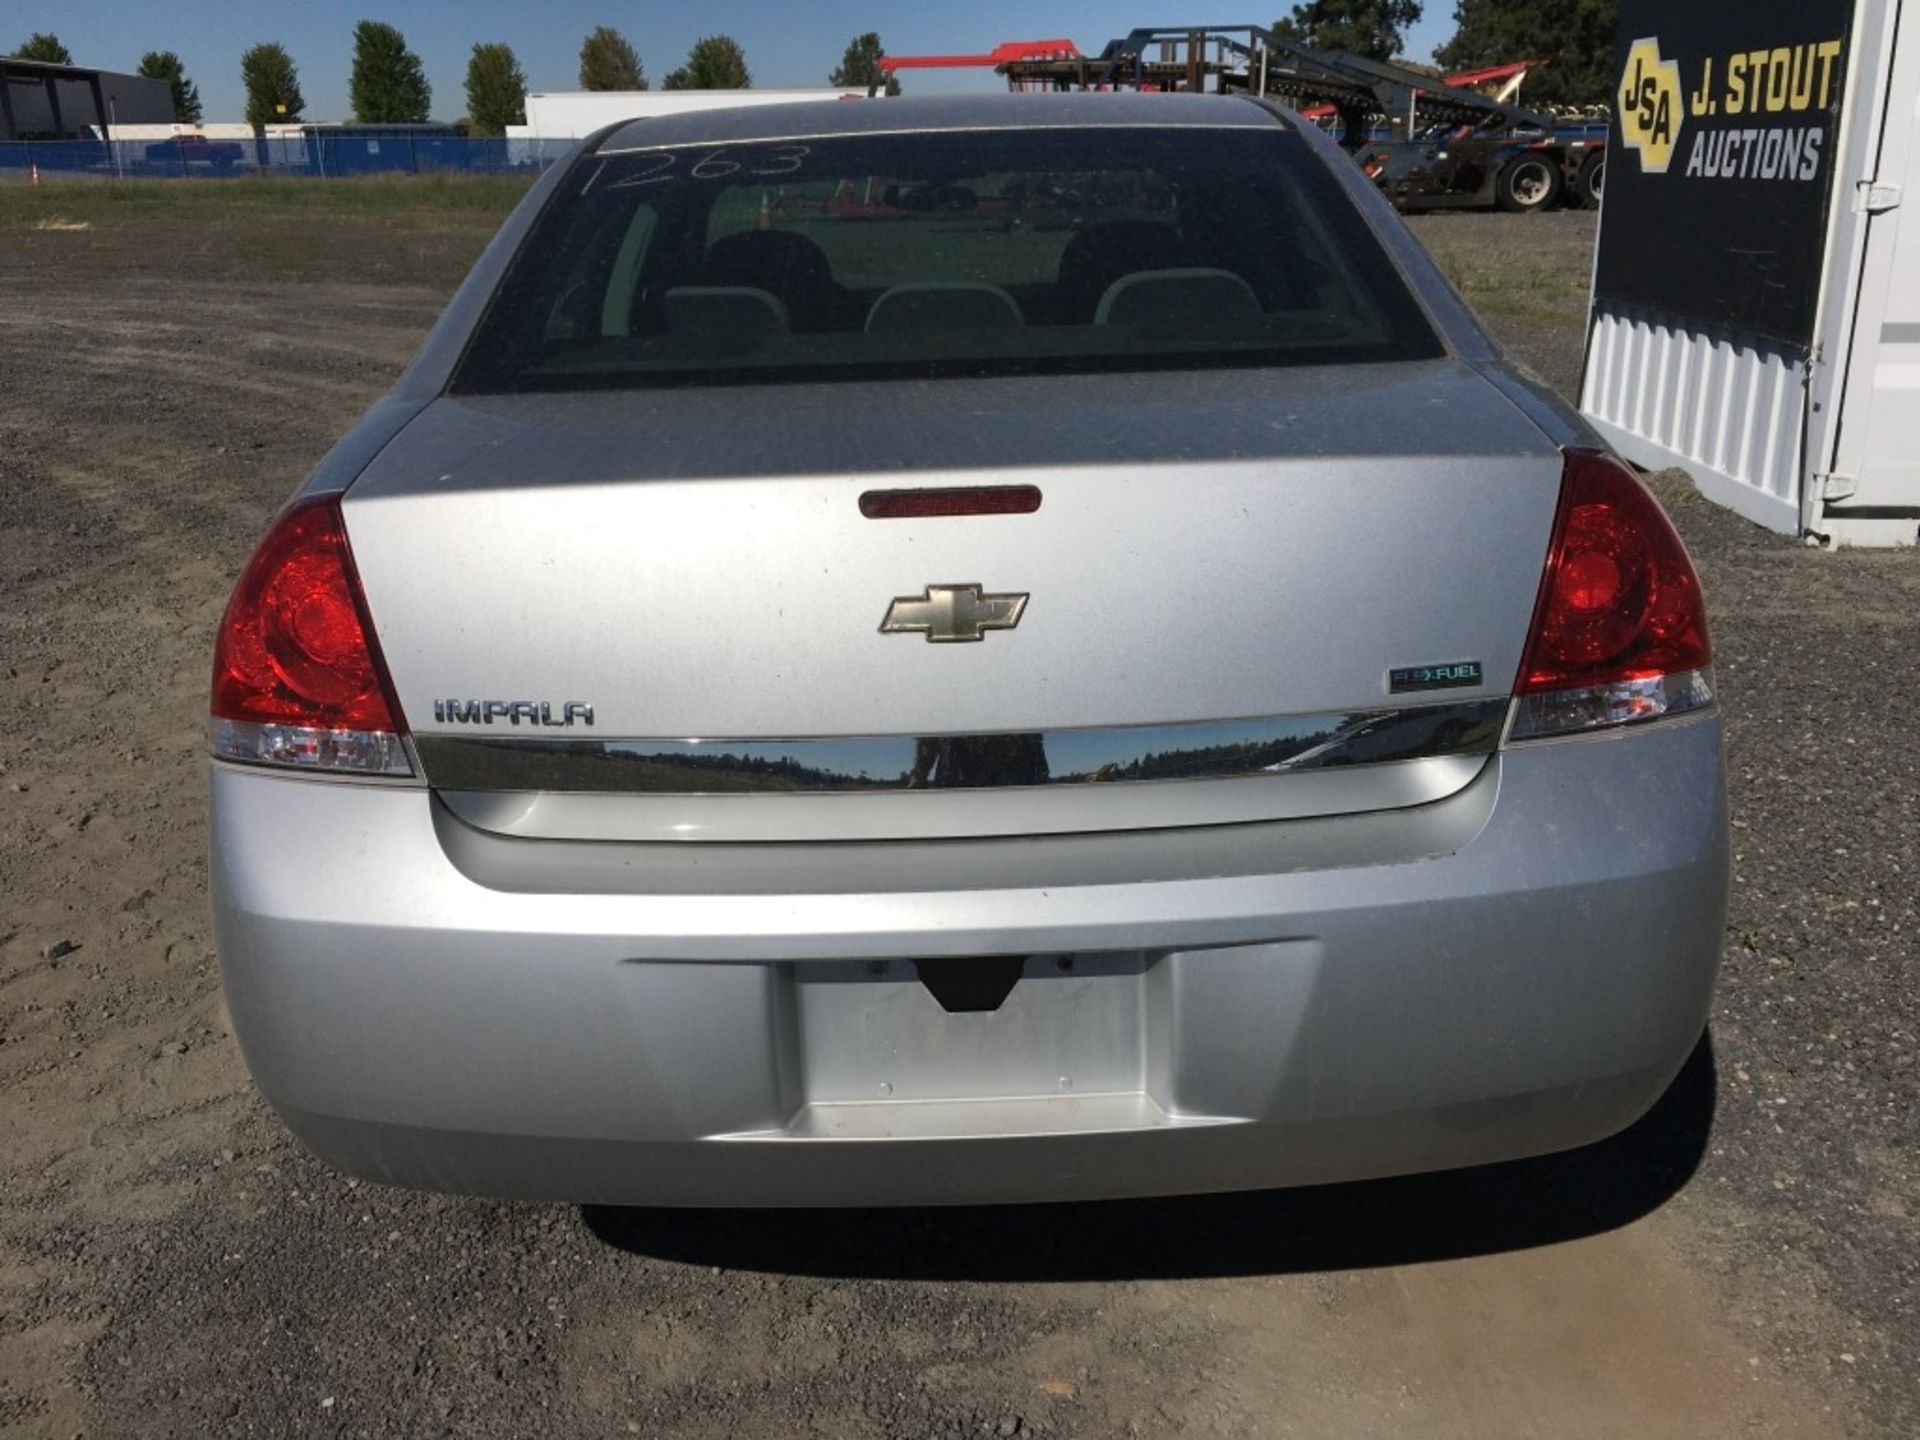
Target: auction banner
point(1721, 163)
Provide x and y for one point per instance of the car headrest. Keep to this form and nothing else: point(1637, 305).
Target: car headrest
point(1196, 299)
point(737, 312)
point(1100, 254)
point(778, 261)
point(943, 305)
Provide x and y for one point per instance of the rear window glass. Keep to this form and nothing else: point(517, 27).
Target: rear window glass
point(942, 254)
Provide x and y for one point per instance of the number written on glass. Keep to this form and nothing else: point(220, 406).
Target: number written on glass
point(717, 164)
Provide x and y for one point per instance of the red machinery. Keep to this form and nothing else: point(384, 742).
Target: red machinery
point(1005, 53)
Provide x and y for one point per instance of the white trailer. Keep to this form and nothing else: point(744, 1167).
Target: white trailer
point(199, 130)
point(1783, 376)
point(571, 114)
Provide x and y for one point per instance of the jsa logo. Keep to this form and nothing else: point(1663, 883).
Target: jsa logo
point(1650, 106)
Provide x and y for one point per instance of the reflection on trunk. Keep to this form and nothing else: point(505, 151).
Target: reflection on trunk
point(969, 762)
point(1225, 749)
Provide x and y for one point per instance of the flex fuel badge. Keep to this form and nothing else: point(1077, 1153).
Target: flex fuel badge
point(1458, 675)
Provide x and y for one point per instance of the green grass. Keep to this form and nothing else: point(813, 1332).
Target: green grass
point(1547, 287)
point(101, 201)
point(427, 230)
point(401, 229)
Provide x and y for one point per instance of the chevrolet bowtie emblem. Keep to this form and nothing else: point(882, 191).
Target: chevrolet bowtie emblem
point(952, 612)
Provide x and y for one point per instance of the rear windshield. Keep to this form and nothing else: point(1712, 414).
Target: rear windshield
point(942, 254)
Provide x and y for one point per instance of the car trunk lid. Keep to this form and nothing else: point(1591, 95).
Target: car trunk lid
point(1257, 548)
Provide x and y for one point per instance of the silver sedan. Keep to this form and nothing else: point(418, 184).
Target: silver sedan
point(1003, 649)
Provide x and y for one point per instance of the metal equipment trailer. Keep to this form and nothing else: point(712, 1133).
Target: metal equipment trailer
point(1428, 143)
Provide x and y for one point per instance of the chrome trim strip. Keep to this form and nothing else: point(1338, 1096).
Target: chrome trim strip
point(1124, 755)
point(942, 815)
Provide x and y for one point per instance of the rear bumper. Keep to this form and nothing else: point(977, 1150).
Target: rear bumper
point(1245, 1007)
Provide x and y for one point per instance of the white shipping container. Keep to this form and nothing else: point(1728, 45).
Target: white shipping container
point(572, 114)
point(1820, 439)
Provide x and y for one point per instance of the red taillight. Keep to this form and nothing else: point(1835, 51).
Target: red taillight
point(297, 678)
point(1620, 628)
point(1620, 600)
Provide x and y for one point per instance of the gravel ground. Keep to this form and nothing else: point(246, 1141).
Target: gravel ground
point(1742, 1263)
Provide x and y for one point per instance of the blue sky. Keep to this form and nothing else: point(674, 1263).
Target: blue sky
point(788, 42)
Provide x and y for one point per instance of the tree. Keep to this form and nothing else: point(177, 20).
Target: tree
point(496, 90)
point(1573, 37)
point(388, 85)
point(715, 63)
point(859, 68)
point(273, 86)
point(1374, 28)
point(165, 65)
point(608, 62)
point(44, 47)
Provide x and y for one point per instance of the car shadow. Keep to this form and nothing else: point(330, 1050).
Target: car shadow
point(1486, 1210)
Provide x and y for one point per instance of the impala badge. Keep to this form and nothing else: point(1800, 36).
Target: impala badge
point(514, 712)
point(952, 612)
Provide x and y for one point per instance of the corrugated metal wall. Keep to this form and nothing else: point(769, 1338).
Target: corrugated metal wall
point(1731, 414)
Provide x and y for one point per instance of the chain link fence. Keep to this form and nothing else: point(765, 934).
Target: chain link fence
point(317, 154)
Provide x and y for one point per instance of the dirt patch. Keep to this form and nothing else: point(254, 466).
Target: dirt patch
point(171, 1264)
